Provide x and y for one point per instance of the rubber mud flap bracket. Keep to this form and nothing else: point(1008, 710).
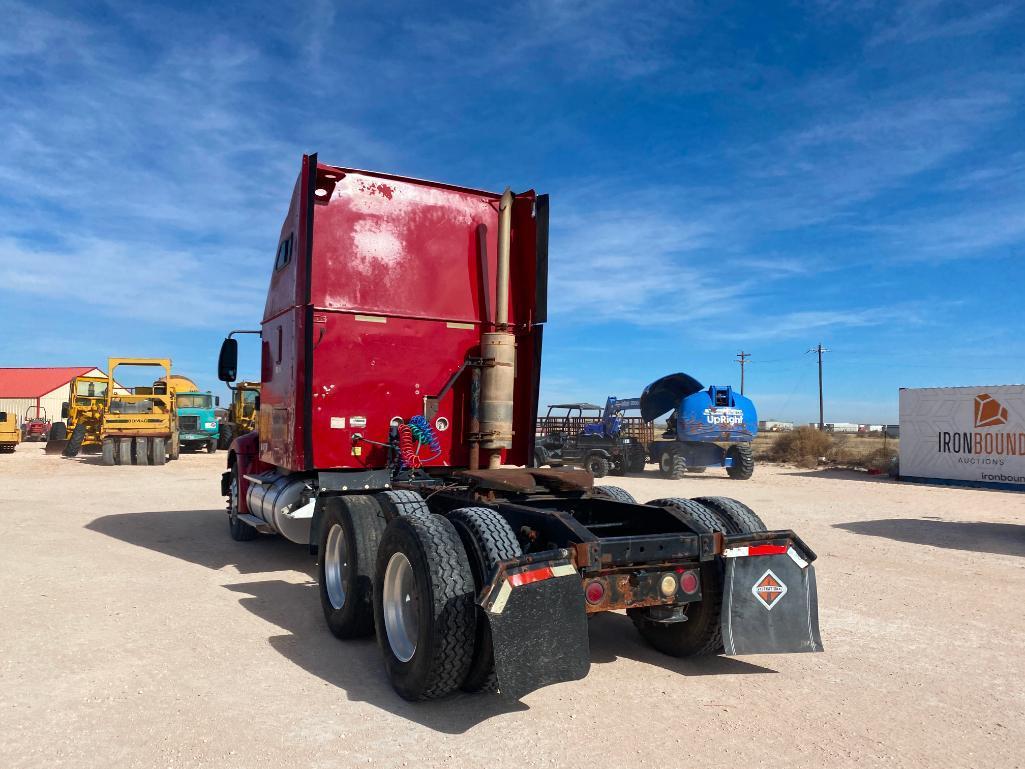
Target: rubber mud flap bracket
point(770, 605)
point(538, 628)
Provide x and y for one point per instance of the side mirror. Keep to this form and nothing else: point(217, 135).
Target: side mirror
point(217, 400)
point(227, 361)
point(256, 403)
point(65, 410)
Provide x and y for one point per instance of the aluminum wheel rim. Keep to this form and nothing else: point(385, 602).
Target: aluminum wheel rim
point(334, 564)
point(401, 618)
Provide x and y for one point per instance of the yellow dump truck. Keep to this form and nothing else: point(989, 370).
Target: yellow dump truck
point(10, 433)
point(140, 427)
point(82, 413)
point(241, 416)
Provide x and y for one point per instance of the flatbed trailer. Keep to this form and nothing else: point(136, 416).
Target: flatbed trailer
point(401, 349)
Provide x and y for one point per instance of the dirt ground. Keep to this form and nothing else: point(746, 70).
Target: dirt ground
point(135, 633)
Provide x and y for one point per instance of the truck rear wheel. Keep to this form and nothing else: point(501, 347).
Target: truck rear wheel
point(75, 441)
point(743, 461)
point(350, 532)
point(158, 447)
point(401, 504)
point(142, 451)
point(211, 446)
point(672, 465)
point(124, 451)
point(488, 540)
point(598, 465)
point(742, 517)
point(701, 632)
point(614, 493)
point(58, 432)
point(424, 607)
point(108, 455)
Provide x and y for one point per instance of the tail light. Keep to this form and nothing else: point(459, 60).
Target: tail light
point(689, 582)
point(667, 584)
point(594, 592)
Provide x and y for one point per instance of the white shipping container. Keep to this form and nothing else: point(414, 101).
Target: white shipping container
point(970, 434)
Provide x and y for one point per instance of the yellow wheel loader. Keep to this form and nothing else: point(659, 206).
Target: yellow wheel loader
point(140, 427)
point(10, 433)
point(82, 413)
point(241, 417)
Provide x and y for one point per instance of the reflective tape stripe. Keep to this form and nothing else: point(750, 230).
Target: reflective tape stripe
point(742, 552)
point(503, 596)
point(797, 559)
point(526, 577)
point(563, 571)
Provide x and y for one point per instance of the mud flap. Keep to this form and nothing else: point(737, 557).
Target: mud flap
point(538, 627)
point(770, 605)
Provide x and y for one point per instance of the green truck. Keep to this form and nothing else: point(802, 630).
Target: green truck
point(197, 422)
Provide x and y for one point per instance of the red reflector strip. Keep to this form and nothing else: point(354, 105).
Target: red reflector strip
point(767, 550)
point(526, 577)
point(742, 552)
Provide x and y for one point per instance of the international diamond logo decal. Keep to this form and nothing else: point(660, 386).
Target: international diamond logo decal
point(769, 590)
point(989, 412)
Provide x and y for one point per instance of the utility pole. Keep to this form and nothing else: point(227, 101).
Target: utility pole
point(822, 419)
point(742, 359)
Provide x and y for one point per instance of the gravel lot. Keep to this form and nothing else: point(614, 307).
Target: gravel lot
point(135, 633)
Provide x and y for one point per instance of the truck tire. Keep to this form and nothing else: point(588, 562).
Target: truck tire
point(211, 446)
point(614, 493)
point(174, 449)
point(124, 451)
point(598, 465)
point(672, 465)
point(225, 436)
point(743, 461)
point(350, 532)
point(743, 518)
point(401, 504)
point(141, 451)
point(239, 530)
point(108, 456)
point(488, 540)
point(701, 633)
point(158, 449)
point(424, 607)
point(58, 431)
point(75, 441)
point(635, 458)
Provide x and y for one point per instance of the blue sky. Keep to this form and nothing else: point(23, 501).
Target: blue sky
point(724, 176)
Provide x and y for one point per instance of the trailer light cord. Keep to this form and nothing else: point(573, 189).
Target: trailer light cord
point(417, 429)
point(424, 433)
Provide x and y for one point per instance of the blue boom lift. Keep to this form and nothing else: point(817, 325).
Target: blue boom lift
point(701, 419)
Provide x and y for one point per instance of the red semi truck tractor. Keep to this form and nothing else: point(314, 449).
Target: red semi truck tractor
point(401, 356)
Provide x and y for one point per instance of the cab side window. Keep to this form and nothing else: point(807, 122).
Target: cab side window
point(284, 253)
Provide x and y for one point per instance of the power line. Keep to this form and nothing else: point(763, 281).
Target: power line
point(742, 359)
